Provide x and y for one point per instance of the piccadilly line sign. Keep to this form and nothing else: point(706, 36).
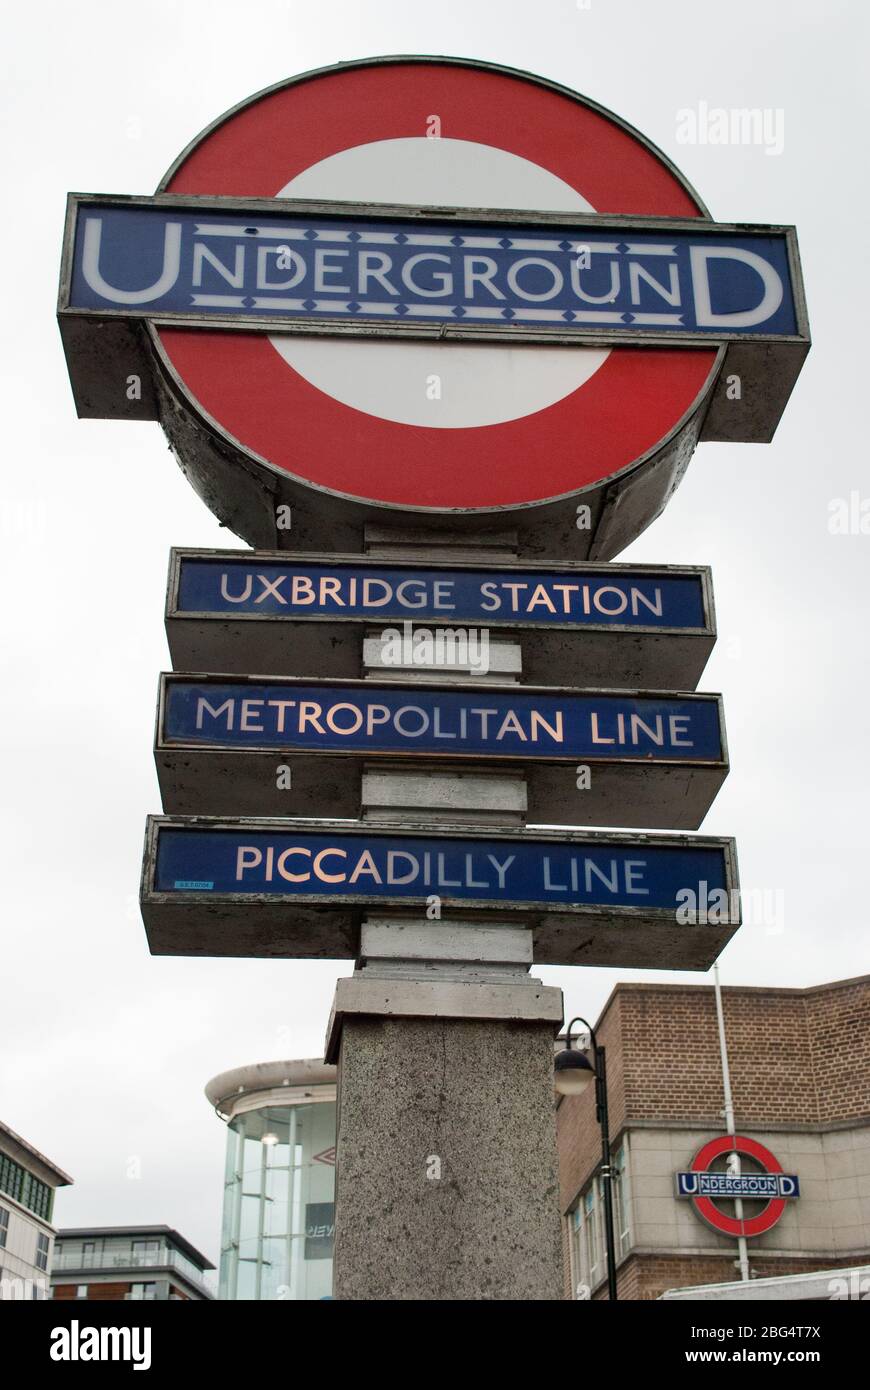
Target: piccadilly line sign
point(248, 265)
point(302, 887)
point(330, 862)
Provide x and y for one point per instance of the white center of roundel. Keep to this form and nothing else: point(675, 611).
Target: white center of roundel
point(442, 385)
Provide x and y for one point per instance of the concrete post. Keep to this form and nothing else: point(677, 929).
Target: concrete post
point(447, 1169)
point(446, 1180)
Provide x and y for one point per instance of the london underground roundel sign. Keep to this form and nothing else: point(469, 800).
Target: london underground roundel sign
point(431, 286)
point(766, 1183)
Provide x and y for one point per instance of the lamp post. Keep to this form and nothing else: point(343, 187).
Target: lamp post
point(574, 1072)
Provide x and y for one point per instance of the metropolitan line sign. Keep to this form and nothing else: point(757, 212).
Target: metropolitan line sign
point(431, 721)
point(283, 746)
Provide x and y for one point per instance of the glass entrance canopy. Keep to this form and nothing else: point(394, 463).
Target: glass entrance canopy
point(279, 1187)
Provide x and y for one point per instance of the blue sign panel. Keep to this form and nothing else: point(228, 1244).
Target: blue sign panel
point(577, 597)
point(145, 257)
point(760, 1186)
point(335, 864)
point(421, 720)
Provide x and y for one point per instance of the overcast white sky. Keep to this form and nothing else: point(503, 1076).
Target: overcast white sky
point(104, 1050)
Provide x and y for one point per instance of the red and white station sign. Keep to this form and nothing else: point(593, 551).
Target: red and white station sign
point(505, 425)
point(706, 1205)
point(558, 399)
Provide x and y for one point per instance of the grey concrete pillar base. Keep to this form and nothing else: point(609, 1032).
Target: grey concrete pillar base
point(474, 999)
point(446, 1176)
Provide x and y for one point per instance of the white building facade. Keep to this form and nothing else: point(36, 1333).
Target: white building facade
point(27, 1185)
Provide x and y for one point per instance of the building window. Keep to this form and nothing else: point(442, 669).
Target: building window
point(592, 1234)
point(138, 1291)
point(146, 1252)
point(41, 1251)
point(4, 1226)
point(586, 1241)
point(575, 1254)
point(81, 1290)
point(23, 1187)
point(621, 1203)
point(588, 1246)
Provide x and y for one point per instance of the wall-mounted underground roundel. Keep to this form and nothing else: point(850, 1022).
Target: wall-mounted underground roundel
point(431, 287)
point(766, 1184)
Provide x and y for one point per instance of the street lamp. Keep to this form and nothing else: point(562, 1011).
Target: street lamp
point(574, 1074)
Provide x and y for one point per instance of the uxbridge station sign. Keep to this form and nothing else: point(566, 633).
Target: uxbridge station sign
point(514, 312)
point(642, 626)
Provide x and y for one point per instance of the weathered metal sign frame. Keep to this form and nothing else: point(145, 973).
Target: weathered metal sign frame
point(236, 774)
point(293, 641)
point(248, 494)
point(326, 925)
point(769, 363)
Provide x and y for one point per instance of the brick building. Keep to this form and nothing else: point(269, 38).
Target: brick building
point(800, 1076)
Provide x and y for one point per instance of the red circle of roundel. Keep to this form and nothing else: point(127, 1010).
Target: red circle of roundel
point(629, 406)
point(706, 1207)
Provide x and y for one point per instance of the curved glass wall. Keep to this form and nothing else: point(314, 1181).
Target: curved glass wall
point(279, 1203)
